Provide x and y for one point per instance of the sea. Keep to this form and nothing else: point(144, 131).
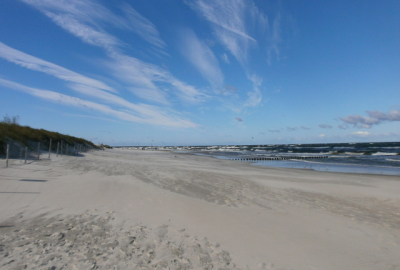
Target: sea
point(381, 158)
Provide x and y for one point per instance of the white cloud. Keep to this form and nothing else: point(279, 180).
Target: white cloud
point(390, 116)
point(94, 88)
point(225, 58)
point(359, 121)
point(201, 56)
point(84, 21)
point(228, 22)
point(227, 15)
point(274, 40)
point(95, 37)
point(141, 78)
point(37, 64)
point(140, 113)
point(255, 96)
point(233, 21)
point(321, 136)
point(375, 118)
point(143, 27)
point(186, 92)
point(361, 133)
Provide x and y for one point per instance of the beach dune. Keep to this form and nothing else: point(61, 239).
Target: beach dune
point(131, 209)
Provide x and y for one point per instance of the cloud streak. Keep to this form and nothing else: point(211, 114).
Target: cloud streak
point(201, 57)
point(31, 62)
point(228, 23)
point(143, 27)
point(82, 17)
point(361, 134)
point(100, 91)
point(84, 20)
point(141, 79)
point(232, 21)
point(139, 113)
point(255, 96)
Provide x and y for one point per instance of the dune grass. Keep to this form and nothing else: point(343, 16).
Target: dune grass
point(11, 131)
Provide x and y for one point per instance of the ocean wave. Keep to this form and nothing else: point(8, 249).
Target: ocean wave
point(385, 147)
point(355, 153)
point(345, 164)
point(395, 160)
point(384, 154)
point(343, 148)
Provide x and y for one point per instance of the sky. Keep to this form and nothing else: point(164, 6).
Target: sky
point(203, 72)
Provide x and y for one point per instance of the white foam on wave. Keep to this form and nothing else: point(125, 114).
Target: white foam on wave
point(384, 154)
point(354, 153)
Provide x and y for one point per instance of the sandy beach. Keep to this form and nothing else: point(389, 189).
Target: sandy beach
point(126, 209)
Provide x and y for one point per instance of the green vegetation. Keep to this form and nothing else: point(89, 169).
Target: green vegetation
point(106, 146)
point(11, 131)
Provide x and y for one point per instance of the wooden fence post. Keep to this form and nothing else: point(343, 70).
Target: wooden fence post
point(26, 153)
point(50, 149)
point(8, 149)
point(66, 151)
point(58, 145)
point(38, 151)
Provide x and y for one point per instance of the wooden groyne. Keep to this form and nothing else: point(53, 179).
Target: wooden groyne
point(279, 158)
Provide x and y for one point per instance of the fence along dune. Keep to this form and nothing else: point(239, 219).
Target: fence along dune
point(26, 143)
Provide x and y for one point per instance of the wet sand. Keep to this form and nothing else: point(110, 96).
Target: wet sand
point(126, 209)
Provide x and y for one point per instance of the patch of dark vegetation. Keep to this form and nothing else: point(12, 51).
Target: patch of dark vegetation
point(25, 136)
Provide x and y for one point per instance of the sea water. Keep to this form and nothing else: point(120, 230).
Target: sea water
point(371, 158)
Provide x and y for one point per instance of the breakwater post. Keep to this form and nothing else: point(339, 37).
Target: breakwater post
point(26, 153)
point(66, 150)
point(58, 144)
point(280, 158)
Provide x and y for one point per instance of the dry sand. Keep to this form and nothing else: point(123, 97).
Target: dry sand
point(126, 209)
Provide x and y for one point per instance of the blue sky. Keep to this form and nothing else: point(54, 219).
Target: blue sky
point(202, 72)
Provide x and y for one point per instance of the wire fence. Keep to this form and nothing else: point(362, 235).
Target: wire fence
point(44, 150)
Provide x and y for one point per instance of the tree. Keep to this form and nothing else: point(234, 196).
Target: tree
point(10, 120)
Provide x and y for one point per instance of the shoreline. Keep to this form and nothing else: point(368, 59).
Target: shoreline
point(251, 216)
